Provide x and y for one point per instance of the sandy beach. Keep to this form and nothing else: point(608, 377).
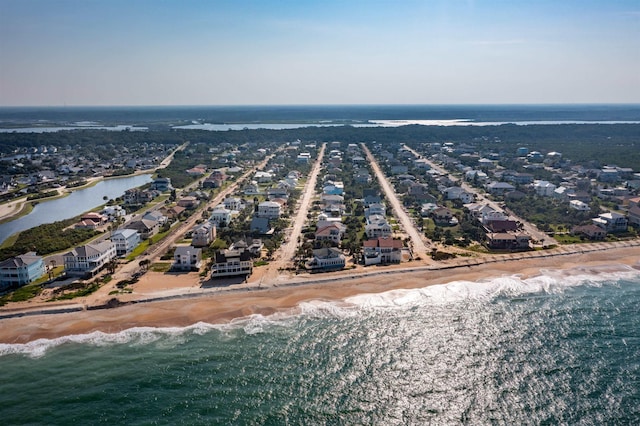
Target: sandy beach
point(223, 305)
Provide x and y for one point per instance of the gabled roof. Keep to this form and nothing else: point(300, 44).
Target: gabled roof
point(383, 242)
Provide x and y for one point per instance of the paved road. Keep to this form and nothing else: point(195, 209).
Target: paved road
point(179, 230)
point(529, 228)
point(417, 239)
point(288, 249)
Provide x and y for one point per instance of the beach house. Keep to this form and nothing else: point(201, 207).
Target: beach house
point(125, 240)
point(187, 258)
point(89, 259)
point(21, 270)
point(326, 259)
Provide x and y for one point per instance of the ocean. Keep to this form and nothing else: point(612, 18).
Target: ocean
point(560, 348)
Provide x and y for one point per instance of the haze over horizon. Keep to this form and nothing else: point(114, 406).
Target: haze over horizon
point(147, 53)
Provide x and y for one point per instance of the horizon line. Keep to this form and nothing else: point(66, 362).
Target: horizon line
point(325, 105)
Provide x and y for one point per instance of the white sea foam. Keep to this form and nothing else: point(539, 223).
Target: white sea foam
point(549, 282)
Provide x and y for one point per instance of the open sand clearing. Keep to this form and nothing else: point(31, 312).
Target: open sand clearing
point(179, 300)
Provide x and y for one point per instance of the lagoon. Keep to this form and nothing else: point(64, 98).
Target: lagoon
point(76, 203)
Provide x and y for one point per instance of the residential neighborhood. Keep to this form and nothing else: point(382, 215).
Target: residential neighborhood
point(323, 207)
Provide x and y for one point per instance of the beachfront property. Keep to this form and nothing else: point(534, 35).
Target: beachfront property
point(89, 259)
point(187, 258)
point(611, 222)
point(382, 251)
point(326, 259)
point(21, 270)
point(590, 231)
point(203, 234)
point(230, 263)
point(508, 241)
point(125, 240)
point(633, 215)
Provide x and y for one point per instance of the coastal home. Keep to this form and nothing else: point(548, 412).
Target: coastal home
point(215, 179)
point(263, 177)
point(508, 241)
point(443, 216)
point(611, 222)
point(544, 188)
point(203, 234)
point(382, 251)
point(233, 203)
point(113, 212)
point(333, 232)
point(173, 212)
point(269, 209)
point(136, 197)
point(499, 188)
point(633, 215)
point(188, 202)
point(328, 199)
point(230, 263)
point(591, 231)
point(502, 226)
point(145, 227)
point(161, 184)
point(333, 188)
point(89, 259)
point(260, 225)
point(579, 205)
point(21, 270)
point(375, 209)
point(220, 216)
point(489, 215)
point(92, 220)
point(156, 216)
point(252, 245)
point(125, 240)
point(326, 259)
point(251, 189)
point(457, 193)
point(187, 258)
point(377, 227)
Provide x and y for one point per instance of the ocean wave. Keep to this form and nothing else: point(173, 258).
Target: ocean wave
point(135, 335)
point(549, 282)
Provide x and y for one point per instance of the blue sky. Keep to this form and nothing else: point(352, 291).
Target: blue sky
point(197, 52)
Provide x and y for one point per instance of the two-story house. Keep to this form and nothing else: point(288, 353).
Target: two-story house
point(21, 270)
point(89, 259)
point(125, 240)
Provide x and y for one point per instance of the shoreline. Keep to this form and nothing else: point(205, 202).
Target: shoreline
point(185, 306)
